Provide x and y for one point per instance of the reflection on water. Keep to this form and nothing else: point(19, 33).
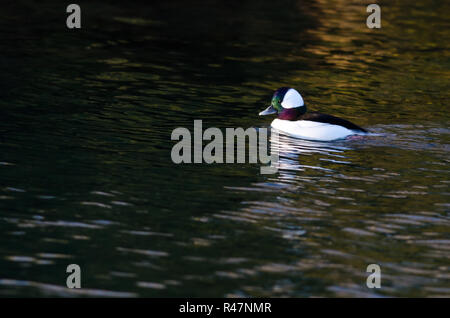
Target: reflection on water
point(291, 150)
point(329, 207)
point(86, 175)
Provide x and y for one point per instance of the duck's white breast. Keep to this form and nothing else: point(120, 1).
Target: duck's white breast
point(312, 130)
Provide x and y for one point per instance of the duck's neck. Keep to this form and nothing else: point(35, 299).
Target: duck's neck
point(292, 113)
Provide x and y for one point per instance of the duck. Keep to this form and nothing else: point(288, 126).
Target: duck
point(294, 120)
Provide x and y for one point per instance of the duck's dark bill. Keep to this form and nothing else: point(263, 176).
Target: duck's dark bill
point(268, 111)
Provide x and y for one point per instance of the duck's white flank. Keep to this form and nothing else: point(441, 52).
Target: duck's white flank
point(312, 130)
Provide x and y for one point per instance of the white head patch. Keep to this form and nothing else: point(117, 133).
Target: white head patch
point(292, 99)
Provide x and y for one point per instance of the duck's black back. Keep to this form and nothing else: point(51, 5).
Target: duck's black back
point(324, 118)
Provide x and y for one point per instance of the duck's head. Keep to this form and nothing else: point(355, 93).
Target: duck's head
point(287, 103)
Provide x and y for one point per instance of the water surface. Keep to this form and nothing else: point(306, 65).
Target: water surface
point(86, 175)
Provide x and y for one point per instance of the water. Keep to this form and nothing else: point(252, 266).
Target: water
point(86, 175)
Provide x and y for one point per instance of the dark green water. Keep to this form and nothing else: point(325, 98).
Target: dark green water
point(86, 175)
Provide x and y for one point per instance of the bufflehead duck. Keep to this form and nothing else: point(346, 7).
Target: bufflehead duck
point(294, 121)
